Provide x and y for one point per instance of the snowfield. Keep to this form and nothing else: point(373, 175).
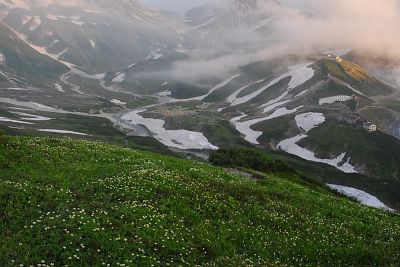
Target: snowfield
point(154, 55)
point(275, 105)
point(251, 135)
point(165, 93)
point(60, 131)
point(30, 105)
point(361, 196)
point(59, 88)
point(233, 97)
point(299, 75)
point(118, 102)
point(31, 117)
point(35, 22)
point(119, 77)
point(4, 119)
point(2, 59)
point(92, 44)
point(181, 139)
point(306, 122)
point(71, 19)
point(218, 86)
point(26, 19)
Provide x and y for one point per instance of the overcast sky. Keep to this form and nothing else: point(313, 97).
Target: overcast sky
point(173, 5)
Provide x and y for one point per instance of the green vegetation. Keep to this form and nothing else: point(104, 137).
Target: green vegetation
point(331, 89)
point(275, 130)
point(2, 137)
point(183, 90)
point(79, 203)
point(141, 102)
point(377, 151)
point(355, 76)
point(26, 61)
point(217, 130)
point(382, 117)
point(393, 104)
point(96, 128)
point(247, 158)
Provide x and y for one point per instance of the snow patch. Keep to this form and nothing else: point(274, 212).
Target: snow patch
point(15, 89)
point(208, 22)
point(154, 55)
point(77, 22)
point(26, 19)
point(299, 75)
point(2, 59)
point(132, 65)
point(306, 122)
point(59, 88)
point(245, 127)
point(4, 119)
point(218, 86)
point(165, 93)
point(41, 107)
point(181, 139)
point(31, 117)
point(71, 19)
point(23, 109)
point(119, 77)
point(233, 97)
point(262, 24)
point(34, 23)
point(275, 105)
point(118, 102)
point(60, 131)
point(361, 196)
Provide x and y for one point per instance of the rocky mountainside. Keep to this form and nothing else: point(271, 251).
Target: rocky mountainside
point(93, 35)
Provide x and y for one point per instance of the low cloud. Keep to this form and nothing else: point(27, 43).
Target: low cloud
point(296, 27)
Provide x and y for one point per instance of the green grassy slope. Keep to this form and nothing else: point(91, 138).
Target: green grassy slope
point(377, 152)
point(79, 203)
point(356, 76)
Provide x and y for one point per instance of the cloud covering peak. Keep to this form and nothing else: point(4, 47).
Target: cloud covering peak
point(301, 27)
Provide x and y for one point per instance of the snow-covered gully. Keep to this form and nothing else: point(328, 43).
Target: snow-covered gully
point(306, 122)
point(250, 135)
point(299, 74)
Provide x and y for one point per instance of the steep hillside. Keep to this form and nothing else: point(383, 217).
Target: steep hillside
point(69, 202)
point(376, 153)
point(20, 61)
point(94, 35)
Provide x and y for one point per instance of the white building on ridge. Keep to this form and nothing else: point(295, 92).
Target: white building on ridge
point(333, 99)
point(370, 127)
